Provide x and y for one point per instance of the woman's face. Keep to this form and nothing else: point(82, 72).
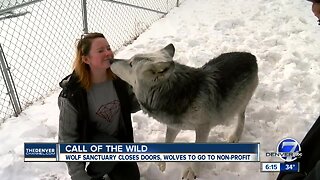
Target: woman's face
point(99, 55)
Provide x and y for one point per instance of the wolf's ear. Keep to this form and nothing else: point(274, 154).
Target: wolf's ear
point(169, 49)
point(162, 67)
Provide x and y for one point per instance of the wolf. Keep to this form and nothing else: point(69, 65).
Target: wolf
point(189, 98)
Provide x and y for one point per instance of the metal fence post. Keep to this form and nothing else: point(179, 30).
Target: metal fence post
point(84, 16)
point(5, 70)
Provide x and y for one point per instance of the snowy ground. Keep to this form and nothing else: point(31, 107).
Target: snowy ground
point(284, 36)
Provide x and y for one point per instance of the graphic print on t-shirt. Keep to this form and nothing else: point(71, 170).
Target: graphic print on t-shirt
point(107, 111)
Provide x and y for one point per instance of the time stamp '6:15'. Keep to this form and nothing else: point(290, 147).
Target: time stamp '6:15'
point(279, 167)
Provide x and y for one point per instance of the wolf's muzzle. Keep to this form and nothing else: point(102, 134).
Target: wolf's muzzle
point(114, 60)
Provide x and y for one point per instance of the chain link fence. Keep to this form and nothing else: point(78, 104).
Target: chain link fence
point(37, 39)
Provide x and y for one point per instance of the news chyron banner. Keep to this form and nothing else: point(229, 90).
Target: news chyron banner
point(146, 152)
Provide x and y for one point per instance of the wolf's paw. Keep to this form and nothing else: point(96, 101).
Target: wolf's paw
point(162, 166)
point(189, 174)
point(234, 139)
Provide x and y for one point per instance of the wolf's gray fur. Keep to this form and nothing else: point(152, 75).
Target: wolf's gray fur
point(191, 98)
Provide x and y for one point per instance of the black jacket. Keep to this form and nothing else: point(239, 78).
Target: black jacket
point(74, 124)
point(310, 149)
point(77, 96)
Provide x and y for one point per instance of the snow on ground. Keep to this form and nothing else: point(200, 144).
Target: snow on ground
point(283, 34)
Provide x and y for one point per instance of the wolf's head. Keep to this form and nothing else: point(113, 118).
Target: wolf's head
point(145, 69)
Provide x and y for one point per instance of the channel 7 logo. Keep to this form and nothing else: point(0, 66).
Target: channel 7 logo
point(288, 150)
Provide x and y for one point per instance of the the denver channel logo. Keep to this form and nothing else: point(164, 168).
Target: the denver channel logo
point(288, 150)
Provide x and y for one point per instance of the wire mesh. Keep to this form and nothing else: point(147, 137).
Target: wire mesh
point(9, 3)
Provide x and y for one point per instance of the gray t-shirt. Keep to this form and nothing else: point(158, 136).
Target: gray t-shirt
point(104, 107)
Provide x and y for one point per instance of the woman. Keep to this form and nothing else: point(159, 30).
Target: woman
point(96, 106)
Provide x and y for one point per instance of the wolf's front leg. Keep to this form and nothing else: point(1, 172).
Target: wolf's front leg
point(235, 137)
point(191, 172)
point(171, 135)
point(202, 133)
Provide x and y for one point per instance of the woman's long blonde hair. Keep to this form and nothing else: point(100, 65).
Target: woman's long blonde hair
point(82, 69)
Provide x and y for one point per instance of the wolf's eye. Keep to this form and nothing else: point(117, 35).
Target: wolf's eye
point(163, 70)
